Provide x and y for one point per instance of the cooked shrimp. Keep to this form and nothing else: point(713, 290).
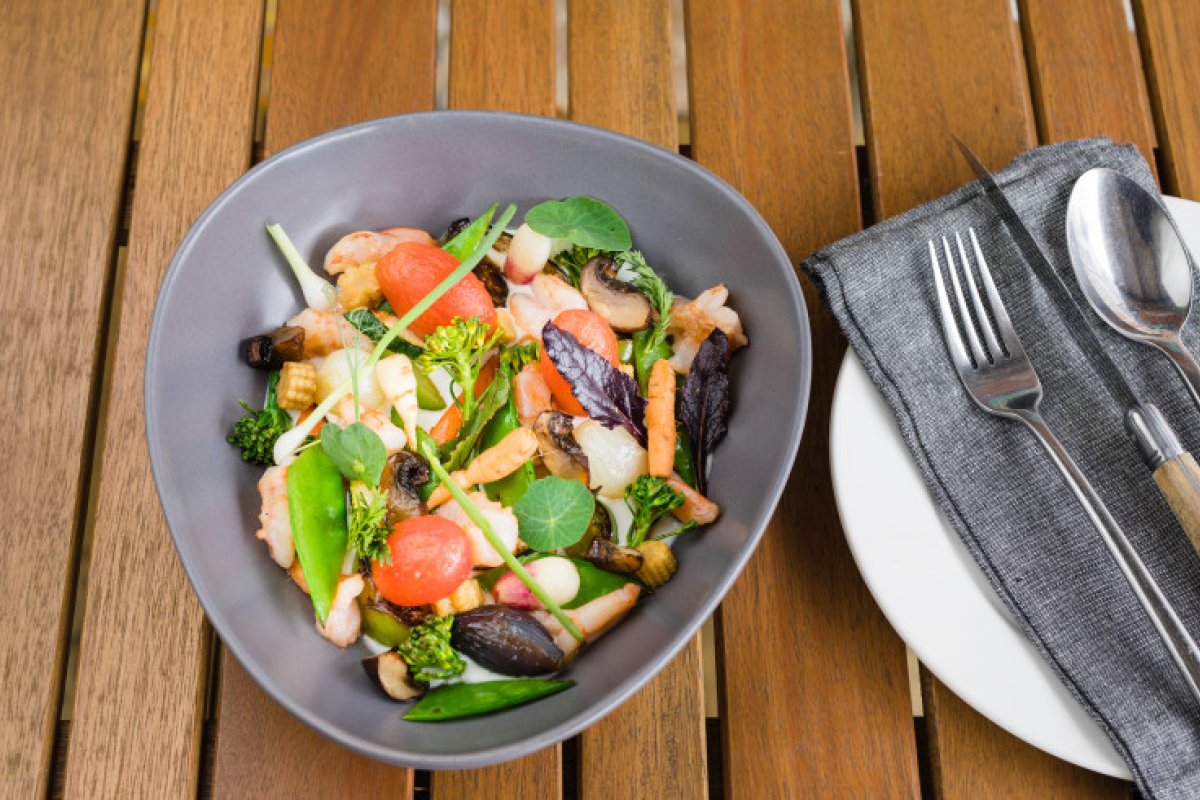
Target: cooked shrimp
point(344, 620)
point(693, 320)
point(275, 521)
point(399, 383)
point(695, 505)
point(503, 521)
point(531, 394)
point(551, 296)
point(367, 247)
point(592, 618)
point(392, 435)
point(326, 331)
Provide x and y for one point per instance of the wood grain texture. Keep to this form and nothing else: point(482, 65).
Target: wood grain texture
point(1167, 33)
point(317, 84)
point(976, 87)
point(653, 745)
point(64, 133)
point(138, 710)
point(502, 56)
point(770, 113)
point(534, 777)
point(989, 765)
point(931, 69)
point(1177, 479)
point(1085, 72)
point(340, 63)
point(629, 88)
point(263, 751)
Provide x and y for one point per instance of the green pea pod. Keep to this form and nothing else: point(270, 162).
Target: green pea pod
point(317, 504)
point(685, 462)
point(383, 627)
point(649, 345)
point(509, 489)
point(469, 237)
point(457, 700)
point(625, 350)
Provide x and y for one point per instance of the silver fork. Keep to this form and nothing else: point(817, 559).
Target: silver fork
point(1000, 378)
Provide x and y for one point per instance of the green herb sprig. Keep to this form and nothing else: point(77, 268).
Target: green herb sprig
point(649, 344)
point(368, 523)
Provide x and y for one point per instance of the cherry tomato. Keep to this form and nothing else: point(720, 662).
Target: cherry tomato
point(411, 270)
point(594, 333)
point(431, 557)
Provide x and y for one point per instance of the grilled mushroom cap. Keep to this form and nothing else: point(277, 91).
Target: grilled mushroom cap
point(403, 475)
point(561, 454)
point(625, 308)
point(390, 673)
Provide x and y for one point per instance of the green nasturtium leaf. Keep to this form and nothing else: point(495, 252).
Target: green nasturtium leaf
point(586, 221)
point(356, 450)
point(553, 513)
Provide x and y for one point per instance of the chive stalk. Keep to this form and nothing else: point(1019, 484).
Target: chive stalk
point(286, 445)
point(429, 450)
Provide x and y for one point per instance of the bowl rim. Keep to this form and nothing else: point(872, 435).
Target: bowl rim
point(638, 677)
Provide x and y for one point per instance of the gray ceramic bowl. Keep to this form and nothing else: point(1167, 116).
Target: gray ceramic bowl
point(227, 282)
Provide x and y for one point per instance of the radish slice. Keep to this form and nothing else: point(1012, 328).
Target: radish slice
point(527, 254)
point(557, 575)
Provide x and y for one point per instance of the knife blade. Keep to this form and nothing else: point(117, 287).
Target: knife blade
point(1175, 471)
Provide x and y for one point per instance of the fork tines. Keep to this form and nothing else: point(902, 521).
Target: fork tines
point(988, 320)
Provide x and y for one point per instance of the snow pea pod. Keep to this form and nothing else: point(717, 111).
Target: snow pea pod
point(468, 699)
point(465, 242)
point(317, 505)
point(508, 489)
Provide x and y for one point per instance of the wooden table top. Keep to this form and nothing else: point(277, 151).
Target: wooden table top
point(123, 119)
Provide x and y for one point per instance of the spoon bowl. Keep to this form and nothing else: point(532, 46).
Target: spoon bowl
point(1132, 264)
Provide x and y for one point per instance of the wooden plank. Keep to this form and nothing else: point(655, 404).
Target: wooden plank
point(814, 693)
point(138, 710)
point(653, 745)
point(502, 56)
point(318, 83)
point(912, 161)
point(1086, 77)
point(64, 135)
point(1166, 30)
point(958, 735)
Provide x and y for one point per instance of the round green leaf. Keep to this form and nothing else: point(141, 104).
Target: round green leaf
point(584, 220)
point(554, 513)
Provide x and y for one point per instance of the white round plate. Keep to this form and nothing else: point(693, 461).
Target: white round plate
point(929, 587)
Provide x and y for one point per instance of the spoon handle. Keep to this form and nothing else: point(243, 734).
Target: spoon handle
point(1185, 362)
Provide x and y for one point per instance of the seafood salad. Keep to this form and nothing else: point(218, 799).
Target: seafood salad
point(479, 448)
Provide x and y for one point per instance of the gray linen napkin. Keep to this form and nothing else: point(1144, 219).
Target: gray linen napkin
point(996, 484)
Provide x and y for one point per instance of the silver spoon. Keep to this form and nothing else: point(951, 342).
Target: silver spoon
point(1131, 264)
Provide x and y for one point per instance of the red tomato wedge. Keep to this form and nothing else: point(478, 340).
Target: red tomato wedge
point(594, 333)
point(412, 270)
point(431, 557)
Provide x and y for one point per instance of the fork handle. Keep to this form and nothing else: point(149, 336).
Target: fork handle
point(1179, 642)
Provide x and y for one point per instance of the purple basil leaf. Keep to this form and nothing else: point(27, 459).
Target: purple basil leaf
point(608, 395)
point(704, 401)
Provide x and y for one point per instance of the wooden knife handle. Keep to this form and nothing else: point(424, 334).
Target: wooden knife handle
point(1179, 480)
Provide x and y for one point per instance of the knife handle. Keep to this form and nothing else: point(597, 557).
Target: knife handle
point(1179, 481)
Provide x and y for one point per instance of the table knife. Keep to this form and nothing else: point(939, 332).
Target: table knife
point(1175, 471)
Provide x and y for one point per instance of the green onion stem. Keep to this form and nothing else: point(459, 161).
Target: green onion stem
point(480, 520)
point(460, 272)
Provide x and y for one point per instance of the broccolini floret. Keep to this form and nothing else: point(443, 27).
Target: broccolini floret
point(461, 348)
point(649, 497)
point(428, 653)
point(255, 433)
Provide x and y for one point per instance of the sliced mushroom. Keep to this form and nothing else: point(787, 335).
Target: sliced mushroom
point(270, 350)
point(390, 673)
point(626, 309)
point(492, 278)
point(601, 526)
point(403, 475)
point(561, 454)
point(612, 557)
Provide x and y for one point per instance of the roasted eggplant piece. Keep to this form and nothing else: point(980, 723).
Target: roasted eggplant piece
point(390, 673)
point(404, 474)
point(625, 308)
point(561, 454)
point(270, 350)
point(506, 640)
point(612, 557)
